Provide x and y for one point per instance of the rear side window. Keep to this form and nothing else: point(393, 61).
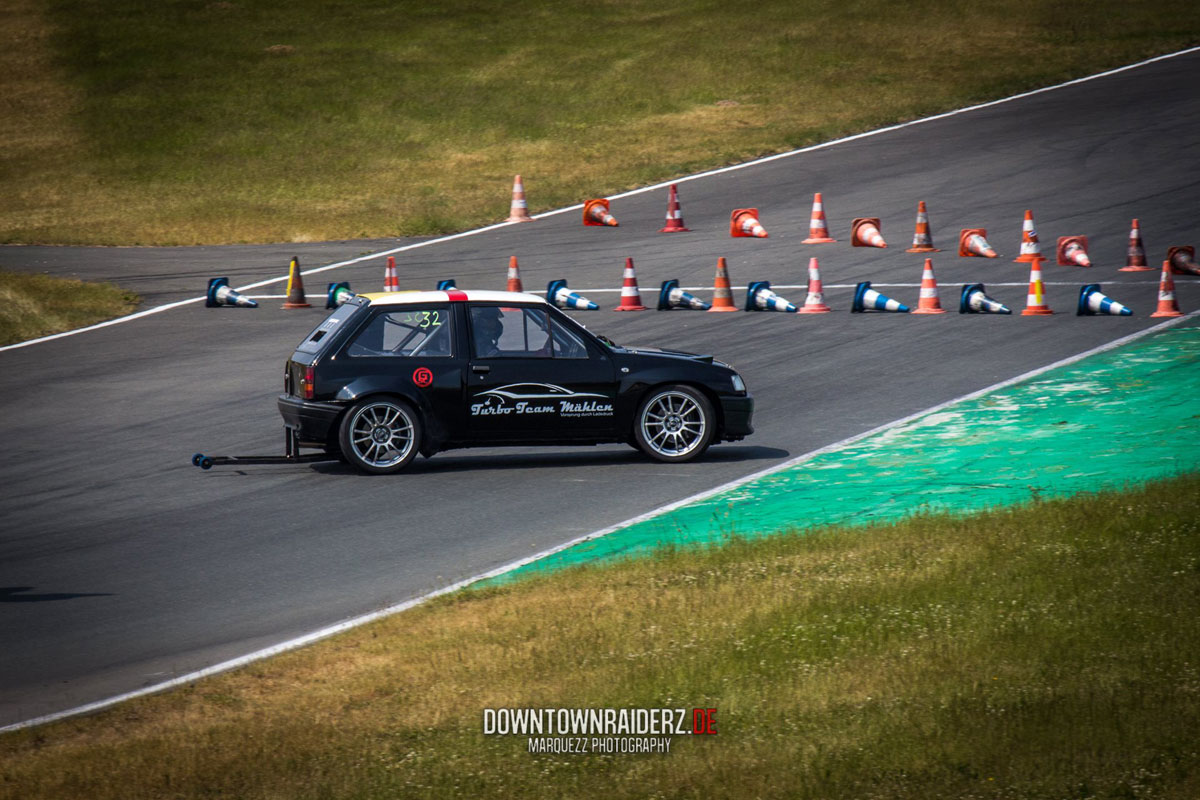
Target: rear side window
point(323, 333)
point(411, 331)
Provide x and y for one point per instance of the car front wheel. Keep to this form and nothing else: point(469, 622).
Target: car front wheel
point(674, 423)
point(380, 436)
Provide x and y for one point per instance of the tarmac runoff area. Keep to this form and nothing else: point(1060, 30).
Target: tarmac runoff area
point(1115, 419)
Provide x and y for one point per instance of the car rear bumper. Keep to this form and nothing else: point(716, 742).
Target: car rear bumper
point(738, 413)
point(312, 421)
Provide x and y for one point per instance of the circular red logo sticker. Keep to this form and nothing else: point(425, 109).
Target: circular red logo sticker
point(422, 376)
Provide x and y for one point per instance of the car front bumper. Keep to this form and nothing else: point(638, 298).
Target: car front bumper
point(738, 412)
point(312, 421)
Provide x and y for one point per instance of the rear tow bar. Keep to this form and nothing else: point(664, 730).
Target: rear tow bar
point(291, 455)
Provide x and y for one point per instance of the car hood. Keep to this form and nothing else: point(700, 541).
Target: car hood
point(659, 352)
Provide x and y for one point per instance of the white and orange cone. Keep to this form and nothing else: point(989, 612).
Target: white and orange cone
point(929, 303)
point(1183, 260)
point(596, 212)
point(818, 228)
point(295, 287)
point(1072, 251)
point(1035, 303)
point(815, 302)
point(972, 242)
point(674, 214)
point(391, 282)
point(864, 232)
point(1135, 254)
point(631, 297)
point(722, 292)
point(1031, 247)
point(744, 222)
point(922, 240)
point(514, 276)
point(519, 211)
point(1168, 306)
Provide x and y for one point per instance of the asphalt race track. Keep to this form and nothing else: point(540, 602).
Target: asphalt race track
point(121, 565)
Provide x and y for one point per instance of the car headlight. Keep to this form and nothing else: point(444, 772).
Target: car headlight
point(739, 385)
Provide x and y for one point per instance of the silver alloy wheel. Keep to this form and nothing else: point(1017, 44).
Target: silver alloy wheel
point(381, 434)
point(673, 424)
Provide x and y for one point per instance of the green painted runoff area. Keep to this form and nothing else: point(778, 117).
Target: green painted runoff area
point(1118, 418)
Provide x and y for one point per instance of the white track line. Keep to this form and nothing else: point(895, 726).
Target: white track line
point(355, 622)
point(640, 190)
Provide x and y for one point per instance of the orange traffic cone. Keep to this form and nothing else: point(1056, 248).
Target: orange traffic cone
point(595, 212)
point(1072, 251)
point(1183, 260)
point(391, 283)
point(722, 292)
point(864, 232)
point(631, 298)
point(1035, 304)
point(674, 214)
point(514, 276)
point(1031, 247)
point(295, 287)
point(519, 211)
point(815, 302)
point(1168, 306)
point(818, 228)
point(929, 303)
point(744, 222)
point(973, 242)
point(1135, 255)
point(922, 241)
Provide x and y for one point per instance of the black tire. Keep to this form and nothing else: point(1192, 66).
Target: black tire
point(380, 435)
point(674, 424)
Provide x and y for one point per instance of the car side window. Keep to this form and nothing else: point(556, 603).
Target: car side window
point(506, 332)
point(410, 331)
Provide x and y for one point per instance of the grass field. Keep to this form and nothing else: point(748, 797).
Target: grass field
point(206, 121)
point(1044, 652)
point(37, 305)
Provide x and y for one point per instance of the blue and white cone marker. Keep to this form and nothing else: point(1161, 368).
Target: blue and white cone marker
point(446, 285)
point(220, 293)
point(337, 293)
point(1093, 302)
point(759, 297)
point(974, 300)
point(867, 299)
point(558, 294)
point(671, 296)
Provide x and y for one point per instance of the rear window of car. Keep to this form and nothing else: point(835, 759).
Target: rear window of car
point(423, 331)
point(323, 333)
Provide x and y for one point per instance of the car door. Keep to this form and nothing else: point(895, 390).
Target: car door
point(532, 379)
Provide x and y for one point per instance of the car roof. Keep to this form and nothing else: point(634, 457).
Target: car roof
point(405, 298)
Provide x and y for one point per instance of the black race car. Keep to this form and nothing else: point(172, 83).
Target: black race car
point(390, 375)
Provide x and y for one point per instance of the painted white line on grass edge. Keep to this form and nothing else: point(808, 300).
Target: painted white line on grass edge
point(355, 622)
point(630, 193)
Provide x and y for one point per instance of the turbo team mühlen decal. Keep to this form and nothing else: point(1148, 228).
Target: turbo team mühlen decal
point(540, 398)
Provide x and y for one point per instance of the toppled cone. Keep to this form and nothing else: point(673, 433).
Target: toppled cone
point(972, 242)
point(759, 297)
point(814, 303)
point(1135, 253)
point(744, 222)
point(1183, 260)
point(1168, 306)
point(447, 285)
point(1093, 302)
point(595, 212)
point(519, 210)
point(922, 239)
point(974, 300)
point(818, 227)
point(558, 294)
point(295, 287)
point(864, 232)
point(337, 293)
point(670, 296)
point(674, 222)
point(867, 299)
point(1072, 251)
point(631, 297)
point(722, 291)
point(221, 294)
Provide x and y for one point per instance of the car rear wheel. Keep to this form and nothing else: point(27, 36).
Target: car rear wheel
point(380, 436)
point(674, 423)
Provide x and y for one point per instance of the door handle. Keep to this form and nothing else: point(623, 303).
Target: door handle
point(480, 369)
